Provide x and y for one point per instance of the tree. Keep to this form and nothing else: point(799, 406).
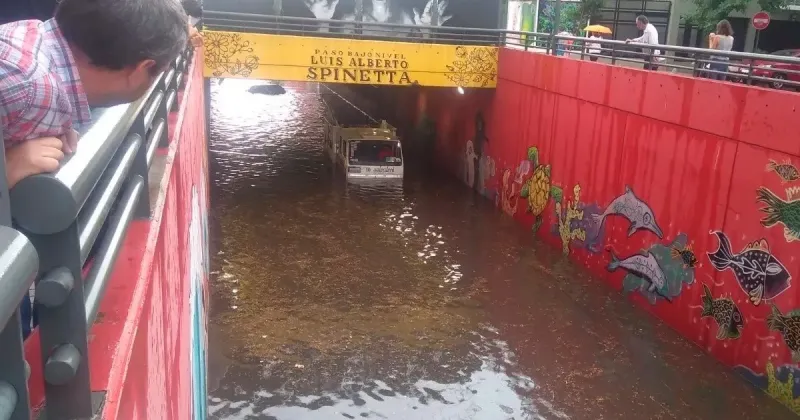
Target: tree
point(574, 15)
point(707, 13)
point(590, 10)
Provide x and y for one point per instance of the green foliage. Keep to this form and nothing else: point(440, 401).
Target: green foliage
point(589, 10)
point(707, 13)
point(574, 15)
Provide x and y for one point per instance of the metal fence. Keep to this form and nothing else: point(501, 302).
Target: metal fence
point(69, 223)
point(777, 71)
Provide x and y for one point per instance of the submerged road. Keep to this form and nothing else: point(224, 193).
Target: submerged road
point(414, 302)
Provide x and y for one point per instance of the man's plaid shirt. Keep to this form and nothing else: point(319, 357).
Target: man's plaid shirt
point(41, 94)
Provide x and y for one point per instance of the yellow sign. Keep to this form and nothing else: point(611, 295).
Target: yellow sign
point(336, 60)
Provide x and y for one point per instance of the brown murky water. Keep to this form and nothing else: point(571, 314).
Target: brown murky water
point(417, 301)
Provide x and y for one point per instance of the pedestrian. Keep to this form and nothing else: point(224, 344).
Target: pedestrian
point(721, 40)
point(650, 37)
point(91, 54)
point(563, 45)
point(594, 48)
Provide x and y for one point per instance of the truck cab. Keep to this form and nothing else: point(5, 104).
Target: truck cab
point(364, 151)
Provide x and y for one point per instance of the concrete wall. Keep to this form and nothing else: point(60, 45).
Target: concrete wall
point(692, 180)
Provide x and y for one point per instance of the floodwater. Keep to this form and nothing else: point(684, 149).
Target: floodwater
point(414, 301)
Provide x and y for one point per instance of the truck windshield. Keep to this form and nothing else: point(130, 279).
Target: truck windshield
point(375, 152)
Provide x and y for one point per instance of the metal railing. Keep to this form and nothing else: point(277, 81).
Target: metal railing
point(778, 71)
point(287, 25)
point(69, 223)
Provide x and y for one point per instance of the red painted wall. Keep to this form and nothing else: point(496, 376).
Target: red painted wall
point(139, 347)
point(158, 382)
point(694, 153)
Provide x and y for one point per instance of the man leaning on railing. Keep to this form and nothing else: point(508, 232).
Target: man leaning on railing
point(649, 36)
point(91, 54)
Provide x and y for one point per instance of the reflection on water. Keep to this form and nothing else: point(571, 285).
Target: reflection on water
point(413, 300)
point(378, 381)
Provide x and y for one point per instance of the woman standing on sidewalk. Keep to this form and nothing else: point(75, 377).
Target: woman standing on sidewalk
point(721, 40)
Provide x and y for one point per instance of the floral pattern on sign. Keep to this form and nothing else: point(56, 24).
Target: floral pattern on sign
point(227, 54)
point(474, 66)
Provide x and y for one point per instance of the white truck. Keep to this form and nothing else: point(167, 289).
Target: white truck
point(367, 150)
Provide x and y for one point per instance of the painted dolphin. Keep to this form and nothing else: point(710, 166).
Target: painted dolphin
point(637, 212)
point(644, 266)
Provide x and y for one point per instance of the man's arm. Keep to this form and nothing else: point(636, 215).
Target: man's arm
point(34, 108)
point(36, 116)
point(640, 39)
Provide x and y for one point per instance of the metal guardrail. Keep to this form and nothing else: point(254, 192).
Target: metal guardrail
point(736, 66)
point(60, 217)
point(775, 70)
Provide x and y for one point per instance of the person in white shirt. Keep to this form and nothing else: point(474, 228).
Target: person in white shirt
point(721, 40)
point(593, 48)
point(650, 36)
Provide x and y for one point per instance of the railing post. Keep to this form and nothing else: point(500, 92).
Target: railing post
point(171, 92)
point(63, 332)
point(13, 371)
point(163, 112)
point(613, 54)
point(695, 65)
point(13, 375)
point(140, 166)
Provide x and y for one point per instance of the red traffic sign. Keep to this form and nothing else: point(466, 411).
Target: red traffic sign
point(761, 20)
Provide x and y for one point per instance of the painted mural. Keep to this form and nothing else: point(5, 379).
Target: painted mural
point(779, 211)
point(478, 166)
point(780, 383)
point(537, 189)
point(577, 224)
point(571, 213)
point(198, 272)
point(725, 313)
point(713, 254)
point(786, 170)
point(663, 274)
point(633, 209)
point(508, 197)
point(788, 325)
point(758, 272)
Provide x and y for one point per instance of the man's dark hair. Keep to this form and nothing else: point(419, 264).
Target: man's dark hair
point(642, 19)
point(117, 34)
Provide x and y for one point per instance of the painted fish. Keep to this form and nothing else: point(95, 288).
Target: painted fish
point(785, 212)
point(684, 254)
point(728, 316)
point(644, 266)
point(758, 272)
point(785, 170)
point(635, 210)
point(789, 327)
